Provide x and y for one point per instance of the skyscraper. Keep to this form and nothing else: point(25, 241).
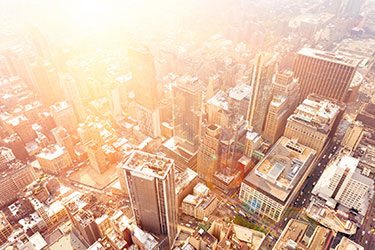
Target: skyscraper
point(285, 90)
point(72, 94)
point(150, 181)
point(261, 79)
point(208, 155)
point(187, 117)
point(86, 228)
point(63, 138)
point(348, 8)
point(324, 73)
point(64, 116)
point(46, 82)
point(97, 158)
point(224, 137)
point(17, 64)
point(277, 116)
point(146, 90)
point(187, 111)
point(144, 78)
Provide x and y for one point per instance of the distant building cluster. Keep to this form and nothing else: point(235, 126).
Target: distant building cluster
point(258, 136)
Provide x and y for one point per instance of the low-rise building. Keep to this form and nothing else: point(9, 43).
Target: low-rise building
point(6, 229)
point(201, 239)
point(274, 182)
point(85, 226)
point(342, 183)
point(201, 203)
point(185, 182)
point(346, 244)
point(13, 179)
point(299, 235)
point(54, 159)
point(6, 156)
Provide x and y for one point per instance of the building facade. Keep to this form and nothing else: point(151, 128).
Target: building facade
point(54, 159)
point(324, 73)
point(146, 89)
point(342, 183)
point(209, 153)
point(261, 93)
point(285, 90)
point(274, 182)
point(64, 116)
point(313, 122)
point(150, 181)
point(187, 111)
point(14, 179)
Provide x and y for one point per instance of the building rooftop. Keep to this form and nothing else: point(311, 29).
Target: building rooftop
point(347, 244)
point(51, 152)
point(37, 241)
point(220, 100)
point(345, 167)
point(148, 164)
point(311, 18)
point(6, 155)
point(60, 106)
point(253, 136)
point(317, 113)
point(281, 169)
point(192, 199)
point(30, 221)
point(55, 208)
point(182, 179)
point(329, 56)
point(362, 49)
point(278, 100)
point(11, 168)
point(201, 189)
point(205, 237)
point(147, 240)
point(3, 221)
point(173, 144)
point(240, 92)
point(336, 220)
point(188, 83)
point(84, 217)
point(249, 236)
point(15, 121)
point(296, 236)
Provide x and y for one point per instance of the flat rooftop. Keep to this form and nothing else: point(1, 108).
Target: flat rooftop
point(174, 145)
point(240, 92)
point(188, 83)
point(15, 121)
point(281, 169)
point(11, 168)
point(329, 57)
point(296, 234)
point(60, 106)
point(362, 47)
point(51, 152)
point(220, 100)
point(317, 113)
point(148, 164)
point(278, 100)
point(182, 179)
point(347, 244)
